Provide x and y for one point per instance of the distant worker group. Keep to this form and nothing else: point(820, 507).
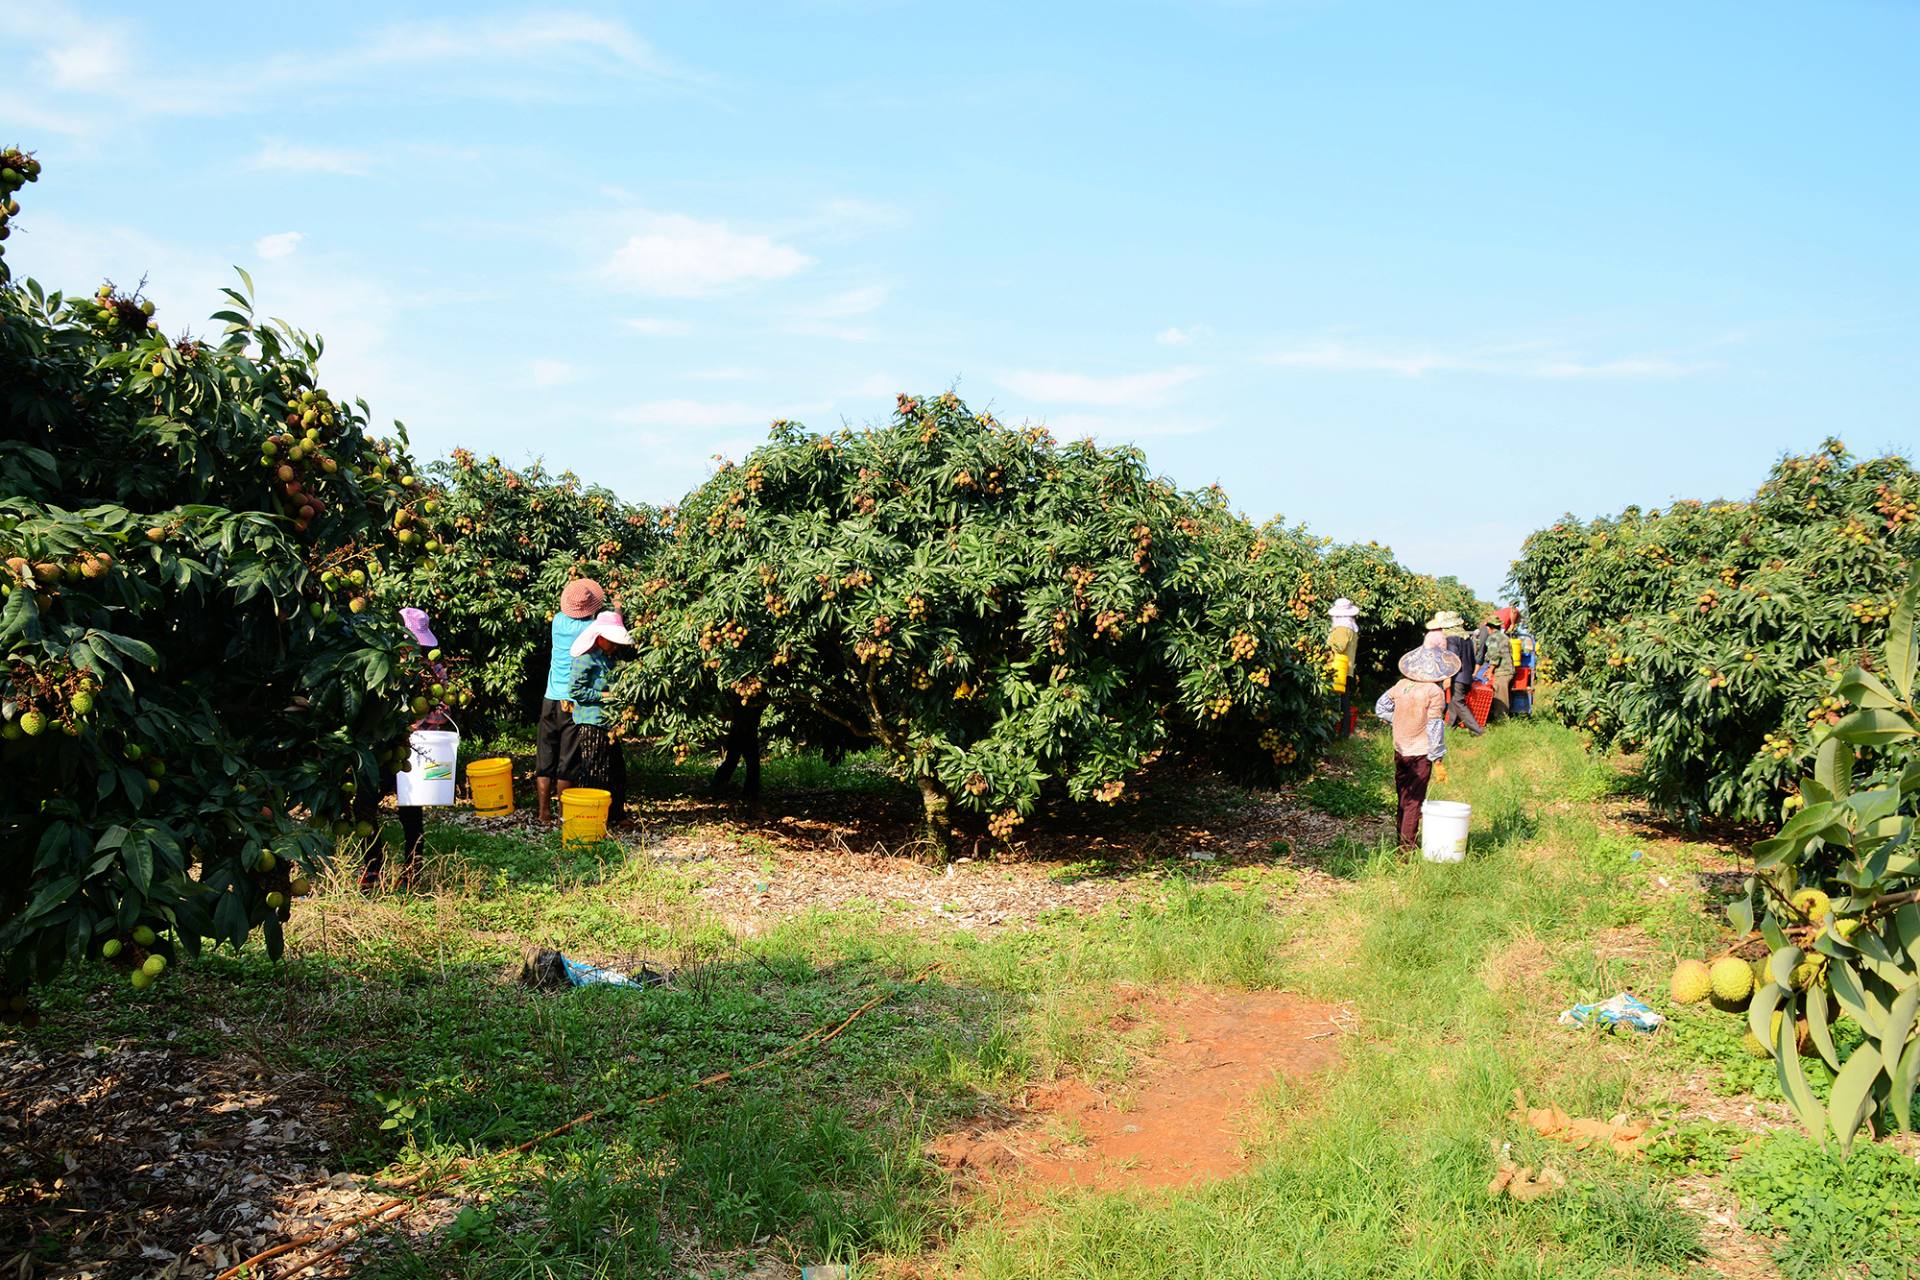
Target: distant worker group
point(1466, 679)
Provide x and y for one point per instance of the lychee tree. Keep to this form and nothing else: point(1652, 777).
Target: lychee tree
point(515, 537)
point(202, 661)
point(1707, 637)
point(1006, 617)
point(1836, 897)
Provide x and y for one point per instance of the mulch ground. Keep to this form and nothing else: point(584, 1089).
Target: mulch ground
point(832, 852)
point(129, 1160)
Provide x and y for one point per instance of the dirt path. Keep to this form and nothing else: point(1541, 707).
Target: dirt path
point(1184, 1119)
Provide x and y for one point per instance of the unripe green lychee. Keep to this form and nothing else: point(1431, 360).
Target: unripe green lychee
point(1812, 904)
point(1692, 982)
point(1732, 981)
point(143, 936)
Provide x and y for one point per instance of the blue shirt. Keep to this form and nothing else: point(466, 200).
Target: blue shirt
point(560, 668)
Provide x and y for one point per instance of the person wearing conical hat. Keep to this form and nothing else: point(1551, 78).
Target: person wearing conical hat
point(1416, 708)
point(1344, 640)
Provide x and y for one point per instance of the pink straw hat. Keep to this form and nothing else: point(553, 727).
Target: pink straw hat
point(582, 598)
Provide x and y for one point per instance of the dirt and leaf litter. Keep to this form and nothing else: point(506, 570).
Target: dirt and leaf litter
point(826, 855)
point(148, 1161)
point(1184, 1116)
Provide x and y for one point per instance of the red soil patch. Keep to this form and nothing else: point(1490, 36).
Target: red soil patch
point(1182, 1121)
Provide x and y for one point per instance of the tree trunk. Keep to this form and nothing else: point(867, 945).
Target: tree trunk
point(933, 804)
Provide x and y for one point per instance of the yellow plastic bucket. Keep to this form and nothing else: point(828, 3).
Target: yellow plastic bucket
point(1342, 668)
point(491, 782)
point(1516, 651)
point(583, 815)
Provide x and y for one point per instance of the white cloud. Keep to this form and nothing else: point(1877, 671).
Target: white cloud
point(1647, 367)
point(826, 317)
point(1175, 336)
point(1072, 426)
point(292, 157)
point(676, 256)
point(280, 244)
point(1524, 361)
point(356, 311)
point(724, 373)
point(852, 218)
point(703, 415)
point(97, 70)
point(655, 327)
point(552, 373)
point(88, 61)
point(851, 302)
point(514, 39)
point(1082, 388)
point(875, 385)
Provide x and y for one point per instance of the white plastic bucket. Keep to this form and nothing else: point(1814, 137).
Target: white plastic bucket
point(432, 755)
point(1443, 830)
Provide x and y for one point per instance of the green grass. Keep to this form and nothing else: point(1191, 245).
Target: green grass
point(1858, 1217)
point(1386, 1173)
point(1453, 974)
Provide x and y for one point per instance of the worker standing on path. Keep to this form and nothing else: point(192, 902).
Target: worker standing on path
point(598, 755)
point(1500, 667)
point(1344, 640)
point(556, 752)
point(1460, 644)
point(1415, 707)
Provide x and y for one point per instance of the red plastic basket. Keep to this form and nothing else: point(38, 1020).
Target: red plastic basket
point(1480, 701)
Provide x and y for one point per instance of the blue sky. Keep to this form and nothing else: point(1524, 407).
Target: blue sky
point(1430, 274)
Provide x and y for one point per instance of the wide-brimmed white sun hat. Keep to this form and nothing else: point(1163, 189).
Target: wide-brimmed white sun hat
point(608, 624)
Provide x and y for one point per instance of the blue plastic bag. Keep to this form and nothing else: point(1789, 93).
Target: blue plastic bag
point(1621, 1010)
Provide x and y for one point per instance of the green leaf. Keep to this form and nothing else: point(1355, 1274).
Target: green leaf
point(1903, 644)
point(1793, 1081)
point(51, 895)
point(1740, 911)
point(230, 920)
point(1833, 767)
point(1870, 727)
point(139, 650)
point(1864, 689)
point(271, 934)
point(1820, 1028)
point(1760, 1012)
point(136, 856)
point(1780, 965)
point(1899, 1026)
point(1852, 1093)
point(242, 273)
point(1905, 1077)
point(1861, 1004)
